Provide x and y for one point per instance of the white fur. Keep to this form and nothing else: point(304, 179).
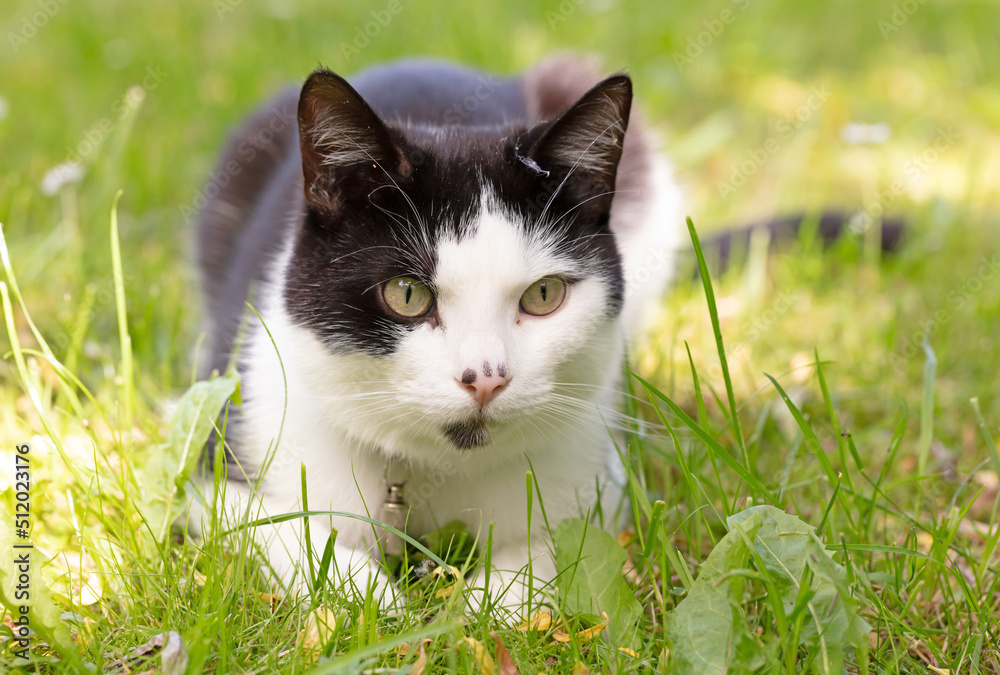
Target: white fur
point(347, 414)
point(589, 147)
point(649, 229)
point(337, 143)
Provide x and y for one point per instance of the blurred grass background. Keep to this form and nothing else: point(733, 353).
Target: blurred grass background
point(765, 93)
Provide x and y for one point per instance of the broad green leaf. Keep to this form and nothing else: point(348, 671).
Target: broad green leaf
point(170, 465)
point(789, 552)
point(590, 564)
point(787, 546)
point(194, 420)
point(707, 632)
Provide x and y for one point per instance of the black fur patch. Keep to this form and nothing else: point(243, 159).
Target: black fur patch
point(467, 435)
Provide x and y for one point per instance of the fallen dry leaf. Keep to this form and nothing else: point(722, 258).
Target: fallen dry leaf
point(585, 635)
point(173, 655)
point(441, 571)
point(404, 649)
point(447, 591)
point(539, 622)
point(484, 660)
point(320, 625)
point(174, 658)
point(507, 666)
point(421, 662)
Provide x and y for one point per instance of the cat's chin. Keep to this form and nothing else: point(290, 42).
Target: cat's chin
point(468, 434)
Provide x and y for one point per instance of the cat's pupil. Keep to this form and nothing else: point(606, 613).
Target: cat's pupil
point(409, 293)
point(545, 292)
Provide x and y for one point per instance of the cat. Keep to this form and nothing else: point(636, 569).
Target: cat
point(447, 265)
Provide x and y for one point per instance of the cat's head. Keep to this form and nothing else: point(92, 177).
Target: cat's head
point(463, 282)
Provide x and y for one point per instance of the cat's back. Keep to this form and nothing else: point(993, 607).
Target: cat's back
point(425, 91)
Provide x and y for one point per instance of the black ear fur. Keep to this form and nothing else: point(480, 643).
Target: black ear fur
point(345, 146)
point(585, 142)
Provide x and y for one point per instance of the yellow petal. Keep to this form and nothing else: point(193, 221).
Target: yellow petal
point(540, 622)
point(445, 592)
point(629, 652)
point(485, 661)
point(584, 635)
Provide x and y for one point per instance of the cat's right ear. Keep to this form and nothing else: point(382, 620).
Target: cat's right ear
point(346, 149)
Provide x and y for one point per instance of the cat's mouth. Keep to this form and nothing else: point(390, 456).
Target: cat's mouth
point(469, 434)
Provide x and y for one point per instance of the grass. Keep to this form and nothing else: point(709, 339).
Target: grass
point(878, 427)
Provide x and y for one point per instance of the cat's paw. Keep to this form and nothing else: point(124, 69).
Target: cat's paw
point(356, 574)
point(353, 573)
point(508, 593)
point(359, 580)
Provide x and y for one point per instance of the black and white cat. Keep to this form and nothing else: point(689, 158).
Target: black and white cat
point(447, 265)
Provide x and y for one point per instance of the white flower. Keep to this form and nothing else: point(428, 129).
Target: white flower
point(60, 175)
point(857, 133)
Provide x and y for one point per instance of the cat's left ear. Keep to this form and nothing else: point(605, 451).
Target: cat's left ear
point(584, 145)
point(346, 148)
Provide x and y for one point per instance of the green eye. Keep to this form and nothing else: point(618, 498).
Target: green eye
point(407, 297)
point(544, 296)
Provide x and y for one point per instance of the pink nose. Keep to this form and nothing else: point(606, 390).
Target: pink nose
point(485, 384)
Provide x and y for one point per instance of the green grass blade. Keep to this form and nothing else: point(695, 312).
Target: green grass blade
point(712, 444)
point(694, 485)
point(123, 335)
point(16, 292)
point(348, 663)
point(698, 397)
point(811, 440)
point(991, 445)
point(832, 414)
point(293, 515)
point(26, 381)
point(714, 313)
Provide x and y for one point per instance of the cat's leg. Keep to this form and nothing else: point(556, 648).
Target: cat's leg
point(510, 572)
point(285, 546)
